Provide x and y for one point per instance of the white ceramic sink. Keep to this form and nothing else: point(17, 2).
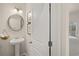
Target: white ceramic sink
point(16, 42)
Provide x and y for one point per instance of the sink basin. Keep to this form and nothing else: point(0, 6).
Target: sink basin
point(16, 41)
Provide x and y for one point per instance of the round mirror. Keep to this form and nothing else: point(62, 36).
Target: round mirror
point(15, 22)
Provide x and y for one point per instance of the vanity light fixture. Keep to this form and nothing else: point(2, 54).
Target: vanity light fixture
point(15, 10)
point(18, 10)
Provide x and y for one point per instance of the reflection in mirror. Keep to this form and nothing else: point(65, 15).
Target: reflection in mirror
point(15, 22)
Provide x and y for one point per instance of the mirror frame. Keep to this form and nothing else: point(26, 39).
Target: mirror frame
point(21, 22)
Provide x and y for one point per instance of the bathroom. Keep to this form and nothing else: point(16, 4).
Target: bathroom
point(39, 29)
point(13, 29)
point(6, 10)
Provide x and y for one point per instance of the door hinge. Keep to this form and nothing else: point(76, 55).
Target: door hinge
point(50, 43)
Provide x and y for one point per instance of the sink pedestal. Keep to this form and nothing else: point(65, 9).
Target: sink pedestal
point(16, 42)
point(17, 49)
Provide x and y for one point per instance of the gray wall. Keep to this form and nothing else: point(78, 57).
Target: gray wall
point(74, 43)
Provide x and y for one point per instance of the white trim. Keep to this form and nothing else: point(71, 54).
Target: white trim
point(65, 29)
point(56, 29)
point(60, 29)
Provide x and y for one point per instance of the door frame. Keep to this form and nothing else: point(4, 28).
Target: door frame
point(60, 29)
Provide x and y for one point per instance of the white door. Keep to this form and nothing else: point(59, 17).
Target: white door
point(40, 30)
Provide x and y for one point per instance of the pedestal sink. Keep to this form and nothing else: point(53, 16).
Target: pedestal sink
point(16, 42)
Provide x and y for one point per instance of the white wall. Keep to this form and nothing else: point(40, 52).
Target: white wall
point(5, 11)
